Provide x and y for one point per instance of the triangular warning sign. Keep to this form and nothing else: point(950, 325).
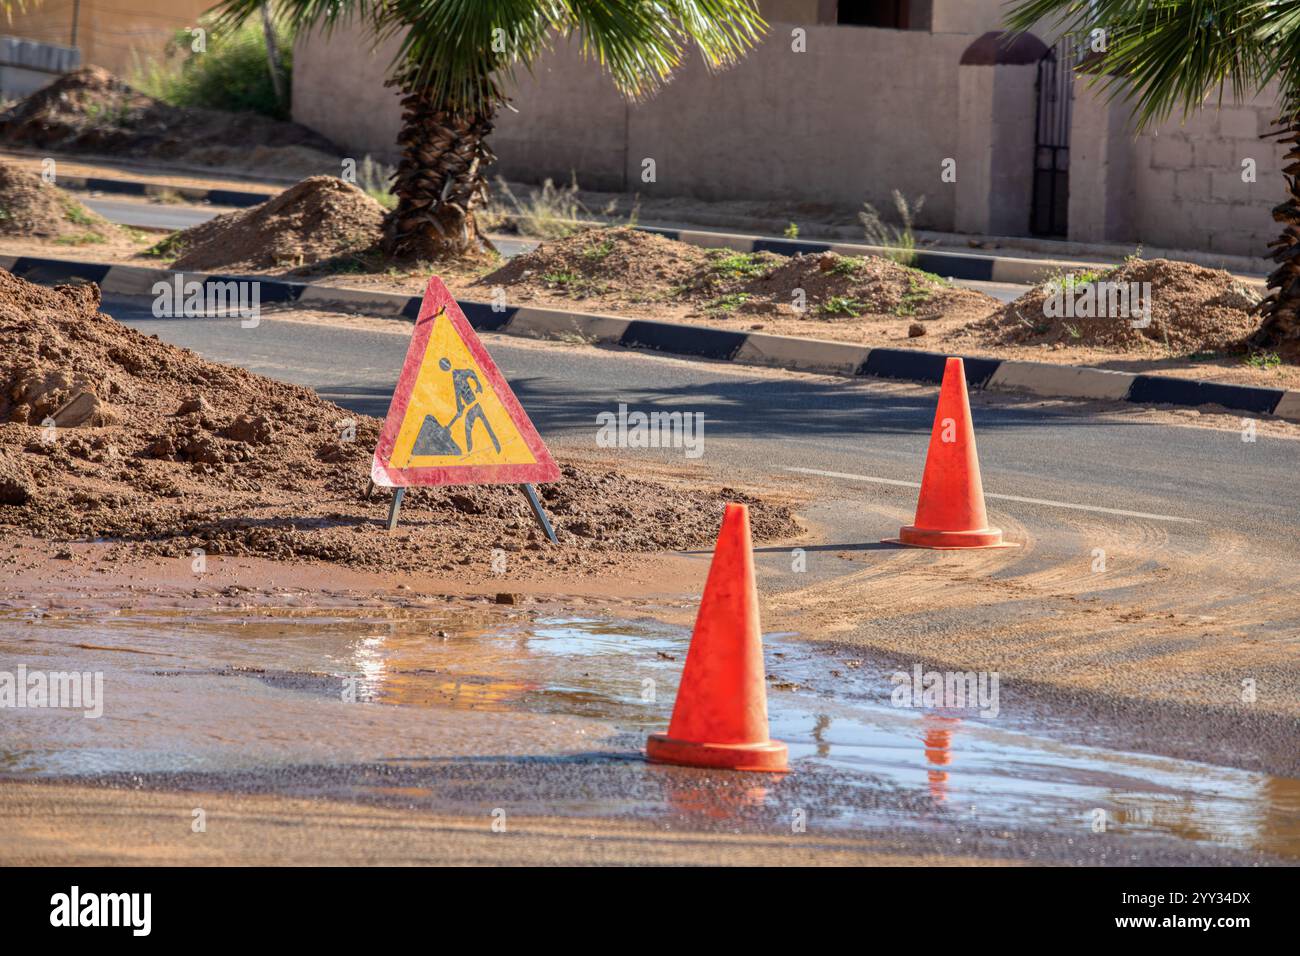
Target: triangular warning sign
point(453, 419)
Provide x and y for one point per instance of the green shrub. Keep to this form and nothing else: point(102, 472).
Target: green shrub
point(1263, 360)
point(231, 74)
point(737, 265)
point(841, 305)
point(727, 303)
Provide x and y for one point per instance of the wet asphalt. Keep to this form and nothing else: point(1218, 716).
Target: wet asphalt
point(534, 715)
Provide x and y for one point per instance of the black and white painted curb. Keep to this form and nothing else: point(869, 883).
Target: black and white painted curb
point(950, 265)
point(748, 348)
point(129, 187)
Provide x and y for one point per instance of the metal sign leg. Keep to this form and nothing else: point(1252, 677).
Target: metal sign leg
point(395, 507)
point(531, 495)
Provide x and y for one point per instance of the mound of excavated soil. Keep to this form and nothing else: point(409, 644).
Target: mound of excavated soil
point(317, 219)
point(156, 447)
point(839, 287)
point(1193, 309)
point(626, 265)
point(626, 262)
point(92, 111)
point(31, 207)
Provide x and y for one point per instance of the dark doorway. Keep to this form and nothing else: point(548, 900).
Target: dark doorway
point(889, 14)
point(1052, 142)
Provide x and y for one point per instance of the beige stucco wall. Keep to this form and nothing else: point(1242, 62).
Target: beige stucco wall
point(109, 32)
point(967, 16)
point(860, 113)
point(995, 149)
point(338, 90)
point(1103, 202)
point(793, 11)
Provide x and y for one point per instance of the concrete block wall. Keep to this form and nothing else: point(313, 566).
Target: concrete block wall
point(28, 65)
point(1188, 179)
point(861, 113)
point(1182, 179)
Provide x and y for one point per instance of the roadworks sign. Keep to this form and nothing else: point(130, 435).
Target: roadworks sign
point(453, 419)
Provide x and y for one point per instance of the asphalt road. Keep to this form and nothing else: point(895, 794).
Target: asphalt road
point(1181, 478)
point(147, 215)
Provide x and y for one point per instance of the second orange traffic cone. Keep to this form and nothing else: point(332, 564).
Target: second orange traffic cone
point(950, 511)
point(720, 716)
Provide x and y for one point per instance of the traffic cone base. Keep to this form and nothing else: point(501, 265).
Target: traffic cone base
point(914, 537)
point(720, 714)
point(950, 512)
point(769, 756)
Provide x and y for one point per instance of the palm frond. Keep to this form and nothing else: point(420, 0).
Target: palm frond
point(1167, 55)
point(461, 52)
point(299, 15)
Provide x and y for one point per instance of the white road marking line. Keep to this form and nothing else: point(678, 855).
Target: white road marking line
point(989, 494)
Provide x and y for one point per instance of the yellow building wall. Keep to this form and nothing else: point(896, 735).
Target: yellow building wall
point(108, 32)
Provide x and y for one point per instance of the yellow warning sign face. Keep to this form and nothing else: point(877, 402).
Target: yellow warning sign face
point(453, 418)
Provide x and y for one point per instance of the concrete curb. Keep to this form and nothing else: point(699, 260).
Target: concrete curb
point(950, 265)
point(132, 187)
point(748, 348)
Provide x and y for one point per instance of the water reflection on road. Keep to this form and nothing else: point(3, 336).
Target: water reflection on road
point(238, 691)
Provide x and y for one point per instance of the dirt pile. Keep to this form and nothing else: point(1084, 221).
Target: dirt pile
point(110, 434)
point(314, 220)
point(1192, 309)
point(31, 207)
point(639, 266)
point(844, 287)
point(626, 265)
point(92, 111)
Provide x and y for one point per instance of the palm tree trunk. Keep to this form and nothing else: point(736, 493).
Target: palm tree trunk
point(439, 182)
point(273, 54)
point(1281, 307)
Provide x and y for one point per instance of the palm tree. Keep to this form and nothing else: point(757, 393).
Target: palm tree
point(1163, 55)
point(456, 58)
point(7, 7)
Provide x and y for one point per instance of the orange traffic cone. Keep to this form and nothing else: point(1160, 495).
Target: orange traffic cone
point(950, 512)
point(720, 716)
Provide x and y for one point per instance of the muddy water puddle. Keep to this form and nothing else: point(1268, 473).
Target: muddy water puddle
point(248, 692)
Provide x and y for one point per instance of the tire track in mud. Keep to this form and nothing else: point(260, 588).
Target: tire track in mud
point(1102, 605)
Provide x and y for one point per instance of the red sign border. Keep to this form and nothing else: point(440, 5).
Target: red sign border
point(437, 298)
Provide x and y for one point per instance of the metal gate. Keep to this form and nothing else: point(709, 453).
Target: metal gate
point(1052, 141)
